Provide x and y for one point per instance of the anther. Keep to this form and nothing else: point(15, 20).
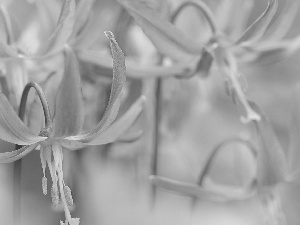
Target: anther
point(55, 195)
point(68, 195)
point(44, 185)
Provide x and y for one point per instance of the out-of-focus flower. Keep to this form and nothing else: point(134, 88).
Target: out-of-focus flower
point(67, 125)
point(275, 169)
point(190, 56)
point(36, 50)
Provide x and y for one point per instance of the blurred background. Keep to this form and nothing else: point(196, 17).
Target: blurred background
point(110, 183)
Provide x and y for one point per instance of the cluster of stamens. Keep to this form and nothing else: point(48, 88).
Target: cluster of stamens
point(60, 193)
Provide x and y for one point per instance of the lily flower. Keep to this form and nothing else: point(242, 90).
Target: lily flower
point(66, 129)
point(276, 169)
point(191, 56)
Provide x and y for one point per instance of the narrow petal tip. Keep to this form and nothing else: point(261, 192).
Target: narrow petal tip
point(109, 35)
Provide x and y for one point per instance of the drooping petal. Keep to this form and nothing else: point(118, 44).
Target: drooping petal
point(168, 40)
point(69, 111)
point(182, 188)
point(116, 129)
point(184, 68)
point(258, 28)
point(8, 157)
point(63, 29)
point(271, 161)
point(12, 129)
point(119, 78)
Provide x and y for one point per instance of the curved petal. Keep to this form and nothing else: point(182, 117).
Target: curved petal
point(12, 129)
point(119, 78)
point(182, 188)
point(258, 28)
point(69, 112)
point(8, 157)
point(117, 128)
point(168, 40)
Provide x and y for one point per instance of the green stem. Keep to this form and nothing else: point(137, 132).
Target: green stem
point(158, 114)
point(18, 163)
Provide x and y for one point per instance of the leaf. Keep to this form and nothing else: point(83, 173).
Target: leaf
point(119, 78)
point(182, 188)
point(118, 128)
point(258, 28)
point(12, 129)
point(271, 160)
point(8, 157)
point(69, 112)
point(184, 68)
point(63, 29)
point(168, 40)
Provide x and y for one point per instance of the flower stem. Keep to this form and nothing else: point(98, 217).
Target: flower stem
point(156, 138)
point(18, 163)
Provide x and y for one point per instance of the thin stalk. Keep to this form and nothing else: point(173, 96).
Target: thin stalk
point(156, 138)
point(18, 163)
